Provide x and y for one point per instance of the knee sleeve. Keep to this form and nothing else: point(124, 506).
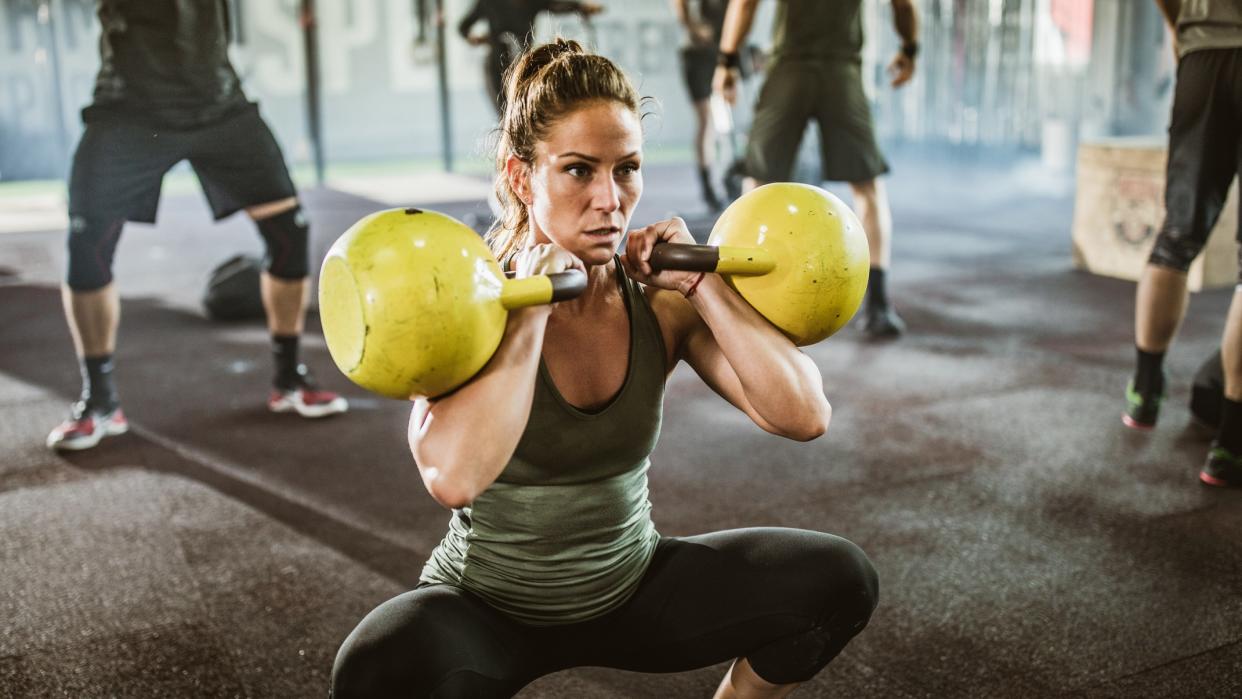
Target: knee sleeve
point(1176, 248)
point(852, 592)
point(92, 245)
point(287, 238)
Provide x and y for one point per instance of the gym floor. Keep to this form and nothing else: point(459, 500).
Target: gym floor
point(1027, 543)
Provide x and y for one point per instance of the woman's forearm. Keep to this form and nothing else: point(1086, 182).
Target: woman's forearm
point(466, 439)
point(781, 383)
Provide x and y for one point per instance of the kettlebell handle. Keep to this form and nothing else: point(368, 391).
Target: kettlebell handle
point(542, 288)
point(723, 259)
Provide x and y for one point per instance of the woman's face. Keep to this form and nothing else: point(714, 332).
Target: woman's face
point(585, 180)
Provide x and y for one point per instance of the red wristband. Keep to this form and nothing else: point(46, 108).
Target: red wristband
point(690, 292)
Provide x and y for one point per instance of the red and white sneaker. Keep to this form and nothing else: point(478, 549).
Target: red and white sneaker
point(85, 427)
point(307, 399)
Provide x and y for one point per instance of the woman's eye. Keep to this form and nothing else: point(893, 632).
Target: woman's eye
point(627, 169)
point(578, 170)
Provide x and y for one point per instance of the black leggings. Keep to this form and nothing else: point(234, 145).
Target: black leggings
point(788, 600)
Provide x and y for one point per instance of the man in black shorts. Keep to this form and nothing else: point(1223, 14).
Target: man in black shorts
point(703, 21)
point(816, 73)
point(166, 92)
point(510, 24)
point(1205, 153)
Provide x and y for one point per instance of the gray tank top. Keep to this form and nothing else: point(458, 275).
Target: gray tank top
point(565, 533)
point(1209, 24)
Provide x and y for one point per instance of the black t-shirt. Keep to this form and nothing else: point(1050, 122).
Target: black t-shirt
point(511, 22)
point(165, 61)
point(713, 12)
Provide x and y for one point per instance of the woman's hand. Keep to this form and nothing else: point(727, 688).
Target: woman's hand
point(545, 258)
point(638, 248)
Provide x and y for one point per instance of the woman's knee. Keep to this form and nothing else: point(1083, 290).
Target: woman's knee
point(864, 593)
point(852, 586)
point(846, 590)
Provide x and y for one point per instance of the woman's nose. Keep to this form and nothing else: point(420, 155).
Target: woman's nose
point(606, 195)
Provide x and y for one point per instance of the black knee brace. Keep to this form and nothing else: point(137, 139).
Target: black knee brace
point(287, 237)
point(1176, 248)
point(92, 244)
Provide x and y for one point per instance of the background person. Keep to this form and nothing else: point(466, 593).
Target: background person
point(1205, 154)
point(510, 28)
point(815, 73)
point(166, 92)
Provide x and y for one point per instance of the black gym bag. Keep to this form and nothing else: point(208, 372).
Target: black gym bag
point(233, 289)
point(1207, 395)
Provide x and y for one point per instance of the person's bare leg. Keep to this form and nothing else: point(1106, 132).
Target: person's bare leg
point(871, 205)
point(704, 152)
point(741, 682)
point(93, 318)
point(879, 321)
point(1160, 304)
point(704, 135)
point(284, 300)
point(285, 303)
point(1231, 348)
point(1224, 461)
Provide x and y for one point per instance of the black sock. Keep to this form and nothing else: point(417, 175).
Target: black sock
point(98, 391)
point(285, 352)
point(1230, 434)
point(1149, 377)
point(877, 293)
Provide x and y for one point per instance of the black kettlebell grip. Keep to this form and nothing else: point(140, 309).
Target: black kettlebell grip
point(684, 258)
point(567, 285)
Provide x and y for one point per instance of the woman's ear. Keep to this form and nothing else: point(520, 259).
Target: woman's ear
point(518, 173)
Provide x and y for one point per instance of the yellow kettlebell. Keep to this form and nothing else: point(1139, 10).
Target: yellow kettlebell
point(413, 303)
point(795, 252)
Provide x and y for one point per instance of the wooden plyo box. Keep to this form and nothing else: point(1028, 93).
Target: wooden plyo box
point(1119, 208)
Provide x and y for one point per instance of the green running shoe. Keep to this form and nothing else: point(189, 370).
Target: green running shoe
point(1142, 409)
point(1223, 468)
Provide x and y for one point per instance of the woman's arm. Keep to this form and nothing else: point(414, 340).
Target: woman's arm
point(586, 9)
point(467, 23)
point(753, 365)
point(463, 441)
point(735, 350)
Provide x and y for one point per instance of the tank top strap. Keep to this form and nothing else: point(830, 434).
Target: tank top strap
point(643, 321)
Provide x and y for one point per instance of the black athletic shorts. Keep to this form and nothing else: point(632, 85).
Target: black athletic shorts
point(119, 165)
point(1205, 141)
point(828, 91)
point(698, 67)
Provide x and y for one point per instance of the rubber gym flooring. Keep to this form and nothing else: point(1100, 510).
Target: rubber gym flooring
point(1027, 543)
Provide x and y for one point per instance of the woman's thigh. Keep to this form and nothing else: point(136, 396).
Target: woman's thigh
point(742, 593)
point(438, 641)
